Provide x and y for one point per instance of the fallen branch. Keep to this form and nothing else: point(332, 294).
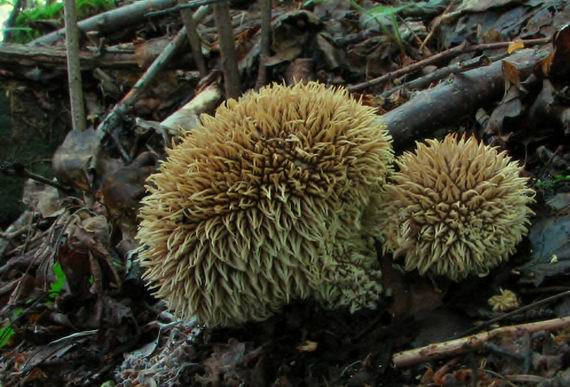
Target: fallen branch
point(472, 343)
point(441, 73)
point(180, 7)
point(111, 21)
point(522, 309)
point(16, 169)
point(452, 52)
point(17, 55)
point(127, 102)
point(188, 116)
point(446, 103)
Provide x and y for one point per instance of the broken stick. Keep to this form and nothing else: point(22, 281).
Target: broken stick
point(462, 95)
point(111, 21)
point(450, 53)
point(146, 79)
point(21, 56)
point(472, 343)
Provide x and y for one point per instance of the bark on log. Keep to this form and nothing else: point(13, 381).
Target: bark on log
point(445, 104)
point(111, 21)
point(18, 55)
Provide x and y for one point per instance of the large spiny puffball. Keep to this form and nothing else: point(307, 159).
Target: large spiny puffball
point(455, 208)
point(262, 203)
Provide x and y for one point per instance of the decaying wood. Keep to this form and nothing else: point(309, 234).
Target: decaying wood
point(73, 67)
point(179, 7)
point(447, 54)
point(472, 343)
point(187, 117)
point(444, 72)
point(227, 49)
point(265, 52)
point(532, 306)
point(126, 103)
point(445, 104)
point(111, 21)
point(17, 55)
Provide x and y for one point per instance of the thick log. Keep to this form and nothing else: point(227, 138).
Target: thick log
point(111, 21)
point(19, 55)
point(458, 97)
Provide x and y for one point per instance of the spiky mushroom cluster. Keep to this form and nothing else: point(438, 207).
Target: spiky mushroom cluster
point(262, 203)
point(455, 208)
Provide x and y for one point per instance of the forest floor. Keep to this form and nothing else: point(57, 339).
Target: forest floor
point(73, 308)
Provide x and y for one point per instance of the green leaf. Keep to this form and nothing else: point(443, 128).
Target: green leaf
point(6, 334)
point(60, 279)
point(384, 10)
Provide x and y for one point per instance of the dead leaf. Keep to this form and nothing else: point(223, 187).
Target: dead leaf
point(408, 297)
point(43, 198)
point(123, 188)
point(147, 50)
point(291, 32)
point(483, 5)
point(550, 244)
point(561, 54)
point(515, 46)
point(308, 346)
point(73, 161)
point(512, 74)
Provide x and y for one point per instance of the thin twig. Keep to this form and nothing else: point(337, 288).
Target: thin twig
point(442, 73)
point(472, 343)
point(194, 39)
point(16, 169)
point(227, 49)
point(515, 312)
point(73, 65)
point(461, 49)
point(435, 24)
point(265, 51)
point(127, 16)
point(128, 101)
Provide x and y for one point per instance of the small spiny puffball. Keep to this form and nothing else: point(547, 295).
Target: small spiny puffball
point(455, 208)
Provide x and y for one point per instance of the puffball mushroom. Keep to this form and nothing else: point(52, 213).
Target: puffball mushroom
point(455, 208)
point(260, 204)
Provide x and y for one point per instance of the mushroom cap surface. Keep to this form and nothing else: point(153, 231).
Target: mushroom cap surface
point(455, 208)
point(252, 208)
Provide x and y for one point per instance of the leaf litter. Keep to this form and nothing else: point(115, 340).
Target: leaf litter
point(75, 311)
